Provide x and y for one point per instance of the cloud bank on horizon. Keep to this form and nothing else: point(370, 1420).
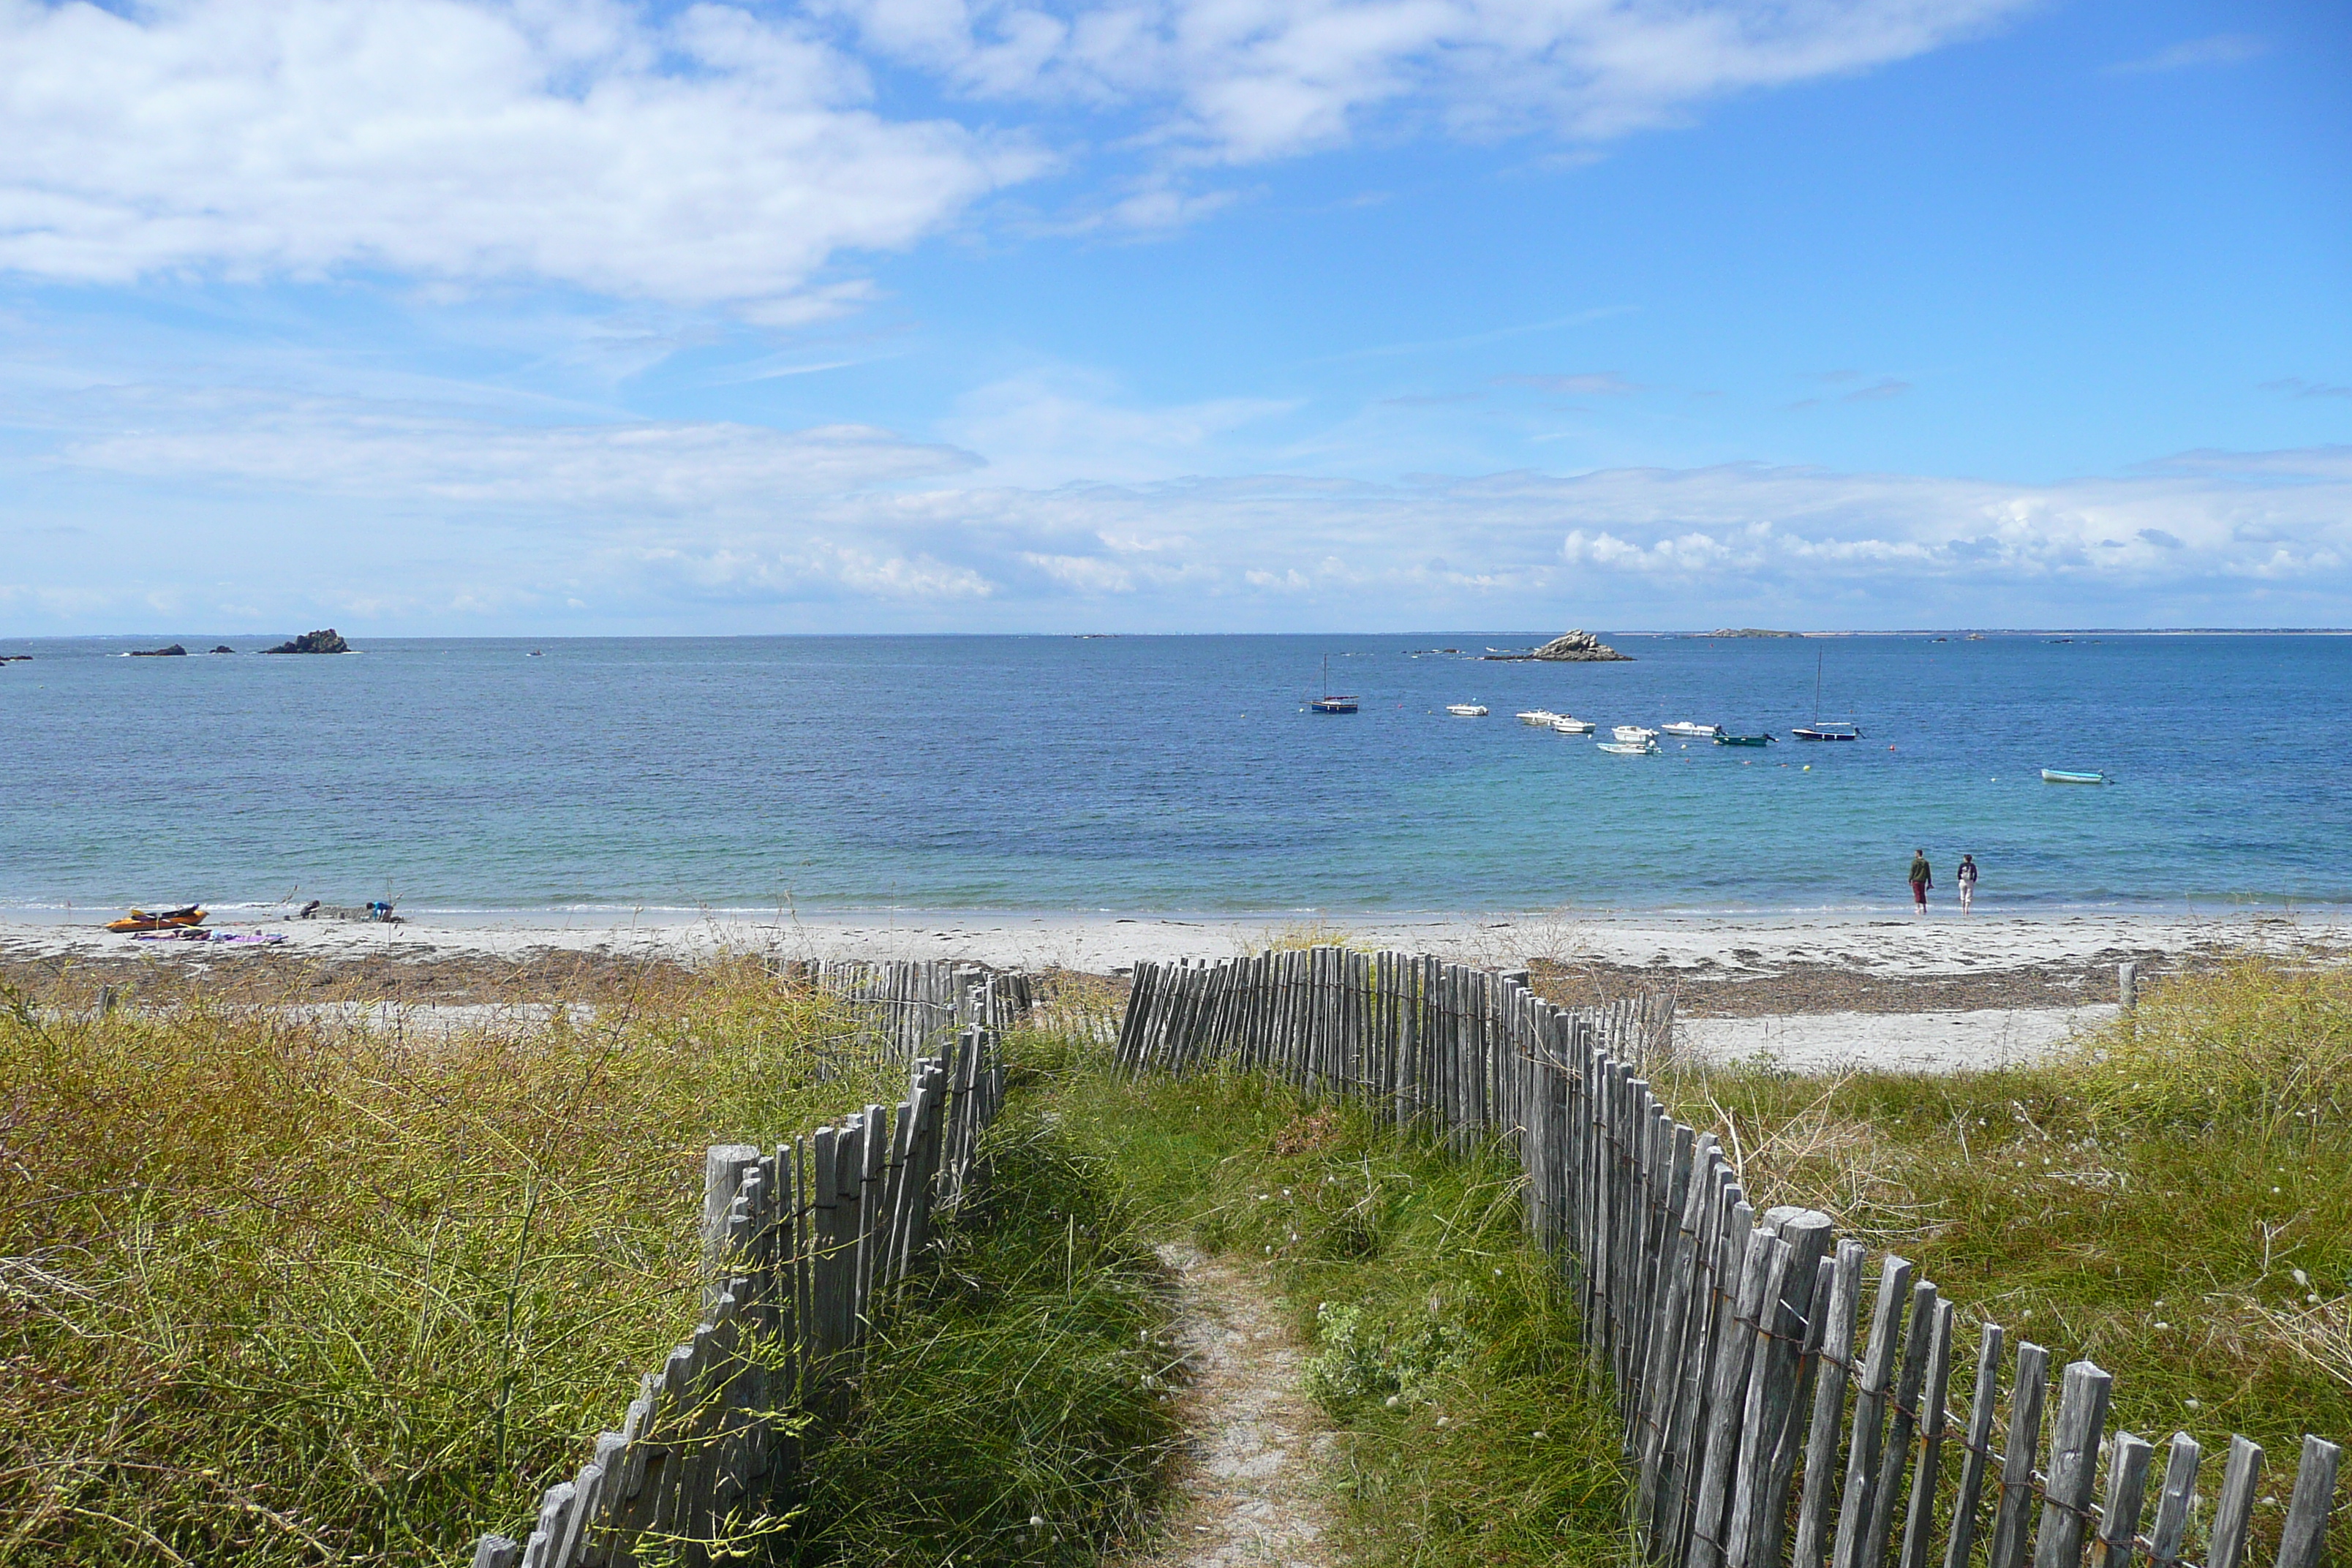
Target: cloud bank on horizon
point(719, 525)
point(571, 200)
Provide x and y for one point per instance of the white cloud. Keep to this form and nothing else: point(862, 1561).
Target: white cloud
point(2221, 49)
point(1589, 384)
point(1036, 429)
point(1242, 80)
point(731, 154)
point(356, 449)
point(424, 522)
point(717, 156)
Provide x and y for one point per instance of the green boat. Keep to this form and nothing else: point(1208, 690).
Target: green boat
point(2059, 775)
point(1722, 739)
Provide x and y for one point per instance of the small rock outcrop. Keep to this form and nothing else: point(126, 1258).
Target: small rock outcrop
point(174, 651)
point(1751, 632)
point(327, 641)
point(1578, 648)
point(224, 649)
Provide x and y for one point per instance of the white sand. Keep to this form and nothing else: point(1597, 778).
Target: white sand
point(1927, 1042)
point(1724, 945)
point(1716, 947)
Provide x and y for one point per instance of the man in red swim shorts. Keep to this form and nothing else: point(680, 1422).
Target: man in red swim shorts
point(1922, 879)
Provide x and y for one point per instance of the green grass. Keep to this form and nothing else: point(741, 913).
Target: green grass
point(1017, 1404)
point(276, 1293)
point(2171, 1202)
point(1446, 1350)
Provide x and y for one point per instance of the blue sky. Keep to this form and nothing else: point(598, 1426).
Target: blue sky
point(420, 316)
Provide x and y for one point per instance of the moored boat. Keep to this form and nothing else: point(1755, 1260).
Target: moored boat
point(1690, 731)
point(1539, 717)
point(1568, 724)
point(2063, 775)
point(1818, 731)
point(1629, 748)
point(1723, 739)
point(1328, 703)
point(1633, 734)
point(1466, 710)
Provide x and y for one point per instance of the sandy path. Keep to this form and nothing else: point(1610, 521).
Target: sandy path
point(1250, 1491)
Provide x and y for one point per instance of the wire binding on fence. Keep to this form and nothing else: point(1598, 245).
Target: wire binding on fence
point(1725, 1337)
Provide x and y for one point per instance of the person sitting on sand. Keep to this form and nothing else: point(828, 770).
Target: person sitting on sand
point(1922, 879)
point(1967, 876)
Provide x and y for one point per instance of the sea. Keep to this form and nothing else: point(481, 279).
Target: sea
point(484, 777)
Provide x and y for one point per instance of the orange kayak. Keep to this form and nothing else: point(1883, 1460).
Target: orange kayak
point(139, 919)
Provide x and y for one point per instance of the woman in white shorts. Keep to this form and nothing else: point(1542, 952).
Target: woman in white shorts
point(1967, 876)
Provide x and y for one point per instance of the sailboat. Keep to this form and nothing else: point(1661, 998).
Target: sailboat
point(1326, 703)
point(1817, 731)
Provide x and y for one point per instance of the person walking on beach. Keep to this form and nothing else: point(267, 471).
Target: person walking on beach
point(1967, 876)
point(1922, 879)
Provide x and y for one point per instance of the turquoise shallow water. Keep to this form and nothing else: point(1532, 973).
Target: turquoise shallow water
point(1166, 774)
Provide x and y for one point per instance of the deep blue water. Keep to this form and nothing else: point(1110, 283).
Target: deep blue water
point(1165, 773)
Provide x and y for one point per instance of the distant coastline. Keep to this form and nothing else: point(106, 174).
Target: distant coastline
point(1727, 634)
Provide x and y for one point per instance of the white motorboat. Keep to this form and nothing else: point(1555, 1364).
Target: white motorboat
point(1539, 717)
point(1633, 734)
point(1690, 731)
point(1568, 724)
point(1466, 710)
point(1629, 748)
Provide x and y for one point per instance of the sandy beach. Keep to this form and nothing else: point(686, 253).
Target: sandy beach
point(1691, 947)
point(1813, 992)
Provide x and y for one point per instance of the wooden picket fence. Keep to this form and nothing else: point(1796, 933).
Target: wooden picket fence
point(1753, 1433)
point(799, 1244)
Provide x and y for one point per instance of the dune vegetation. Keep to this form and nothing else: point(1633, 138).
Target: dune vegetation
point(1444, 1344)
point(294, 1282)
point(300, 1283)
point(2168, 1199)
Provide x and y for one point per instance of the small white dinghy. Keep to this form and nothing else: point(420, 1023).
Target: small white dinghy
point(1629, 748)
point(2063, 775)
point(1690, 731)
point(1568, 724)
point(1466, 710)
point(1632, 734)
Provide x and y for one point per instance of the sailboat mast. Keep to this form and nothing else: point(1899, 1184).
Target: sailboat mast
point(1819, 654)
